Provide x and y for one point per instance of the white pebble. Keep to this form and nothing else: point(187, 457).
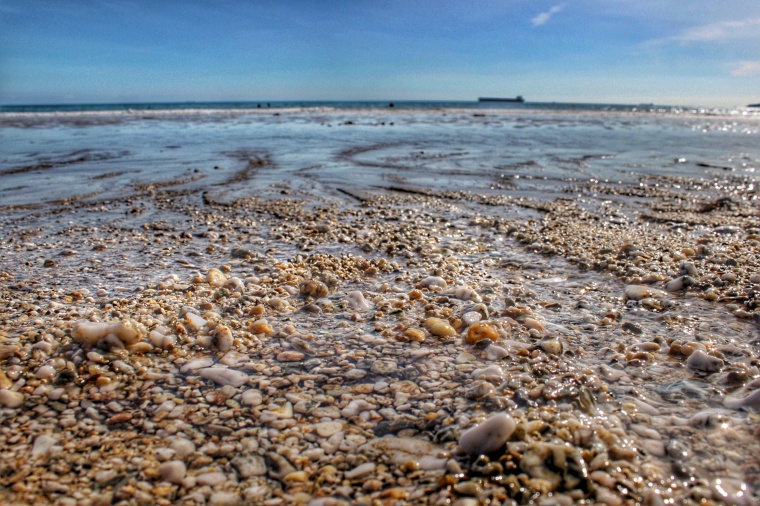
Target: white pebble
point(361, 471)
point(211, 479)
point(225, 376)
point(488, 436)
point(43, 444)
point(434, 281)
point(11, 399)
point(701, 361)
point(173, 472)
point(182, 447)
point(357, 301)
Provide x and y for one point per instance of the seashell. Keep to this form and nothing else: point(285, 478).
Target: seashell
point(313, 288)
point(214, 277)
point(417, 335)
point(439, 327)
point(532, 323)
point(465, 293)
point(481, 331)
point(223, 337)
point(260, 326)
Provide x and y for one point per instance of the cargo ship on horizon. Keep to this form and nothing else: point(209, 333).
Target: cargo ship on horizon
point(518, 99)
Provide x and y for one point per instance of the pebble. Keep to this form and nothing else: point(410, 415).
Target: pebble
point(639, 292)
point(224, 376)
point(357, 301)
point(211, 479)
point(434, 282)
point(480, 331)
point(384, 367)
point(290, 356)
point(43, 444)
point(249, 465)
point(488, 436)
point(11, 399)
point(173, 471)
point(224, 499)
point(439, 327)
point(361, 471)
point(701, 361)
point(327, 429)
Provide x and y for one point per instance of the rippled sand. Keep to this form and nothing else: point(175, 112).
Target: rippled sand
point(287, 341)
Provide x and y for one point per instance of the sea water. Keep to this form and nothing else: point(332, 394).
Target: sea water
point(52, 153)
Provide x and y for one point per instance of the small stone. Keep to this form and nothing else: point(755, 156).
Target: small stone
point(488, 436)
point(290, 356)
point(106, 476)
point(224, 499)
point(43, 444)
point(384, 367)
point(439, 327)
point(361, 471)
point(327, 429)
point(481, 331)
point(11, 399)
point(701, 361)
point(250, 465)
point(225, 376)
point(639, 292)
point(434, 282)
point(357, 301)
point(173, 471)
point(211, 479)
point(214, 277)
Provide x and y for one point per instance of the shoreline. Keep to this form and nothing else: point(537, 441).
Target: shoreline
point(248, 368)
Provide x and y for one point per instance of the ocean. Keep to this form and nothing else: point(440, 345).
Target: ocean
point(107, 149)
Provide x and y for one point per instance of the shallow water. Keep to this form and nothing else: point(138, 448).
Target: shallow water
point(52, 156)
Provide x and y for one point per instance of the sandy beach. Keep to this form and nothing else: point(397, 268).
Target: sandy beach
point(423, 307)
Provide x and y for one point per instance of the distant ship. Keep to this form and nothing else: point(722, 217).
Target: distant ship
point(753, 105)
point(518, 99)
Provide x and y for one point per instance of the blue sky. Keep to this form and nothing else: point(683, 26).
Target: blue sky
point(700, 52)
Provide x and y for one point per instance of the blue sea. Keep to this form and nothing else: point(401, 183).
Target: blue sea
point(102, 151)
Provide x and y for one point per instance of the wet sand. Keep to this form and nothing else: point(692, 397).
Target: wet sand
point(256, 342)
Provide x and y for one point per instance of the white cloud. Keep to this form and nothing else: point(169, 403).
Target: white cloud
point(542, 18)
point(747, 69)
point(717, 32)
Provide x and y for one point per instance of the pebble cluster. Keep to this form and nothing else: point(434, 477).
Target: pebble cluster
point(411, 347)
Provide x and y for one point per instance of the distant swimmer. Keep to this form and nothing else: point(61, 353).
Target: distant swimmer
point(391, 105)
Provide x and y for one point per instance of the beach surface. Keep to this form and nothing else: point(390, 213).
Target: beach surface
point(324, 307)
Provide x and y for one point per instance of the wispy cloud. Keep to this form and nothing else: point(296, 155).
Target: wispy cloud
point(747, 69)
point(542, 18)
point(716, 32)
